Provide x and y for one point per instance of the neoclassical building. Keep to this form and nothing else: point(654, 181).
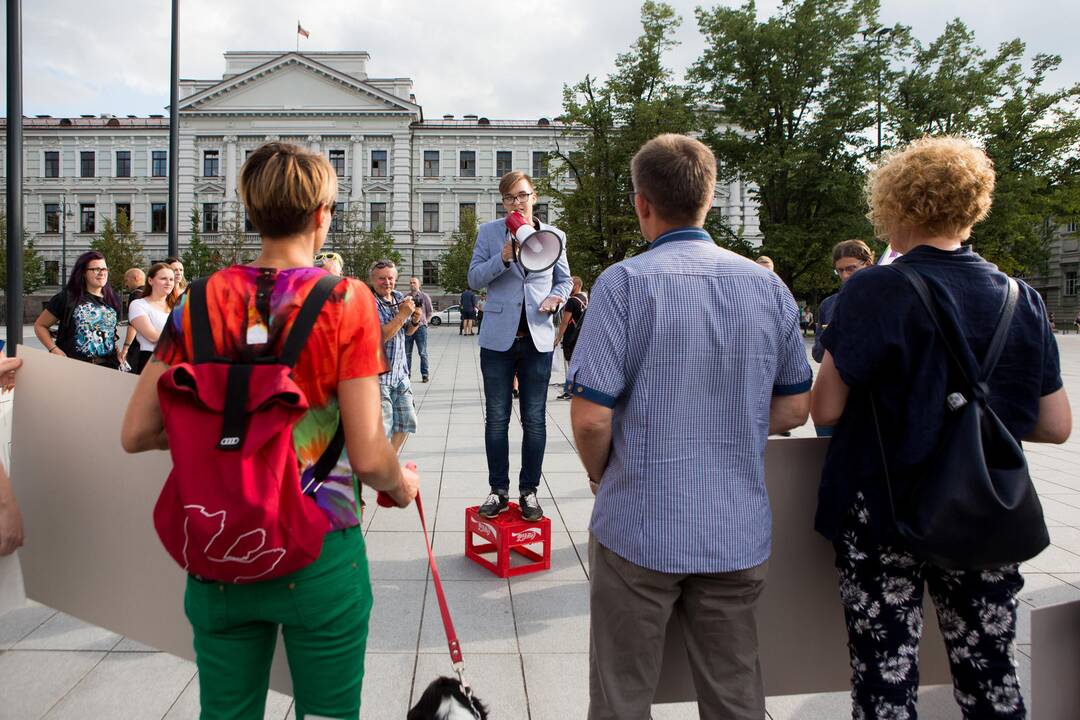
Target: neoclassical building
point(412, 174)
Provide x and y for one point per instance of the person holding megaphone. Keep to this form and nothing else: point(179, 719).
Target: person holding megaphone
point(522, 263)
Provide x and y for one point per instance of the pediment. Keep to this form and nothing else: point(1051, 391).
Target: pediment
point(295, 83)
point(209, 186)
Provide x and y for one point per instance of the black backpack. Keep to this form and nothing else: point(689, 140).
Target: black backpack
point(973, 506)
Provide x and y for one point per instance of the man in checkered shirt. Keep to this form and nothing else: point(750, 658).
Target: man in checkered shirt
point(689, 357)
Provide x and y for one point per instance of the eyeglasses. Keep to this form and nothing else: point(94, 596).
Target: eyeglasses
point(520, 197)
point(848, 269)
point(382, 264)
point(98, 270)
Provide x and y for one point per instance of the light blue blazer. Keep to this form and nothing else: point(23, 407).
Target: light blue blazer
point(509, 287)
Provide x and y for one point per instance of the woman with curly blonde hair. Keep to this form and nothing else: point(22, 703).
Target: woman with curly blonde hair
point(924, 199)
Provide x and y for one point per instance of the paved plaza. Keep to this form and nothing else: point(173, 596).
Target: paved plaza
point(525, 639)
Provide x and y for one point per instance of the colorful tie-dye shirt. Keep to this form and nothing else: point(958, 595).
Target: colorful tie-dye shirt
point(345, 343)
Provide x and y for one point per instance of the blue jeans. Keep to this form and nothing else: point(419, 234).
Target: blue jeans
point(418, 338)
point(533, 369)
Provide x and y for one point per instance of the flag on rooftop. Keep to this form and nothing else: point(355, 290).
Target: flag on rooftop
point(301, 31)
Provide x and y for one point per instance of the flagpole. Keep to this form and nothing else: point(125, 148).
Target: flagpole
point(298, 35)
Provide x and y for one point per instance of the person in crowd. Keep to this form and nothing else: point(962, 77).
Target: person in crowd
point(924, 199)
point(11, 525)
point(468, 312)
point(148, 314)
point(331, 262)
point(87, 313)
point(480, 302)
point(399, 318)
point(1076, 321)
point(134, 280)
point(177, 266)
point(422, 301)
point(681, 521)
point(517, 340)
point(1053, 323)
point(849, 257)
point(322, 609)
point(766, 262)
point(570, 326)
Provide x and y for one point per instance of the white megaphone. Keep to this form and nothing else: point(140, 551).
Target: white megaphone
point(535, 250)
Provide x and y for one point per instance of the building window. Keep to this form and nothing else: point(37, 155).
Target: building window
point(86, 163)
point(211, 217)
point(377, 215)
point(210, 163)
point(249, 227)
point(539, 164)
point(431, 163)
point(1072, 282)
point(86, 217)
point(52, 163)
point(52, 217)
point(378, 163)
point(123, 163)
point(159, 217)
point(431, 217)
point(504, 162)
point(336, 224)
point(337, 160)
point(431, 272)
point(500, 211)
point(159, 163)
point(1070, 227)
point(540, 210)
point(467, 166)
point(466, 209)
point(123, 209)
point(52, 272)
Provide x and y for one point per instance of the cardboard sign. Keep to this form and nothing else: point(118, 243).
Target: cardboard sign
point(1055, 662)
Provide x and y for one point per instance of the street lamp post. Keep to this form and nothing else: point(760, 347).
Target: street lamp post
point(65, 213)
point(878, 34)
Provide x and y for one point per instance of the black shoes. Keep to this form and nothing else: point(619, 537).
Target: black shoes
point(425, 378)
point(530, 507)
point(564, 396)
point(495, 505)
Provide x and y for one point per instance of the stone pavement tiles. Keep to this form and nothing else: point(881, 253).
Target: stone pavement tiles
point(525, 639)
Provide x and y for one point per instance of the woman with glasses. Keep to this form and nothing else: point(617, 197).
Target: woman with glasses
point(148, 314)
point(87, 311)
point(848, 258)
point(322, 609)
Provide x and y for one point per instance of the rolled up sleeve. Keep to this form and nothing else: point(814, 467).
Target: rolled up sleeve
point(598, 366)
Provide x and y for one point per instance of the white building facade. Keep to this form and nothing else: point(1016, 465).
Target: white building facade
point(413, 175)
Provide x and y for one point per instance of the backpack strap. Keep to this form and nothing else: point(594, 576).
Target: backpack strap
point(997, 343)
point(306, 318)
point(327, 460)
point(202, 338)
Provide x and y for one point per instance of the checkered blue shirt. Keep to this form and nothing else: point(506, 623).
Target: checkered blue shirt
point(688, 343)
point(395, 346)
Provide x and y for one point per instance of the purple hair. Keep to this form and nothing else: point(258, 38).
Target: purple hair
point(76, 284)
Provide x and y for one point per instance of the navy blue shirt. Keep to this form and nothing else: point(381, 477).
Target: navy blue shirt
point(883, 342)
point(824, 317)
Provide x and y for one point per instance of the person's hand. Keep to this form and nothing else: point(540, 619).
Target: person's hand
point(405, 493)
point(121, 354)
point(417, 315)
point(8, 366)
point(551, 304)
point(11, 527)
point(406, 308)
point(508, 251)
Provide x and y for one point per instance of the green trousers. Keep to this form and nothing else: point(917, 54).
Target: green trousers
point(323, 611)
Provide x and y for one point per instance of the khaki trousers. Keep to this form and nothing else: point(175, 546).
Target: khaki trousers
point(629, 611)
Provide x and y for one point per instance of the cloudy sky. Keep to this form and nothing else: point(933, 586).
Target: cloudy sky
point(500, 59)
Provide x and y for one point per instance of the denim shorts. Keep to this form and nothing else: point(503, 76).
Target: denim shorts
point(399, 415)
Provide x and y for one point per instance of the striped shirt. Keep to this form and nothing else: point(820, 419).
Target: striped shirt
point(688, 343)
point(394, 348)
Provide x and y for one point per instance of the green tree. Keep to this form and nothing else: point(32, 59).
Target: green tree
point(229, 246)
point(121, 247)
point(359, 248)
point(199, 259)
point(790, 101)
point(615, 116)
point(33, 264)
point(454, 263)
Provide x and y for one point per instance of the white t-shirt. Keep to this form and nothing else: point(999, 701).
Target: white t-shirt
point(158, 318)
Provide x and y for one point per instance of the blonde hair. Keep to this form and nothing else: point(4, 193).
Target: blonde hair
point(677, 175)
point(856, 249)
point(512, 178)
point(281, 185)
point(939, 185)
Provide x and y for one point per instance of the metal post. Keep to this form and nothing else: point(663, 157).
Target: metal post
point(63, 240)
point(14, 177)
point(174, 133)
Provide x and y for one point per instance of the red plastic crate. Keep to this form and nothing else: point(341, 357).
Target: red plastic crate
point(508, 533)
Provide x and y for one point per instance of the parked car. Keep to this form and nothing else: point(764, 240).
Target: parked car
point(450, 316)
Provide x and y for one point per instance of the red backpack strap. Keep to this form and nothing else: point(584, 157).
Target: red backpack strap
point(306, 318)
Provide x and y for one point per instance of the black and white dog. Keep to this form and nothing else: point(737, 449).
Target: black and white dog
point(447, 699)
